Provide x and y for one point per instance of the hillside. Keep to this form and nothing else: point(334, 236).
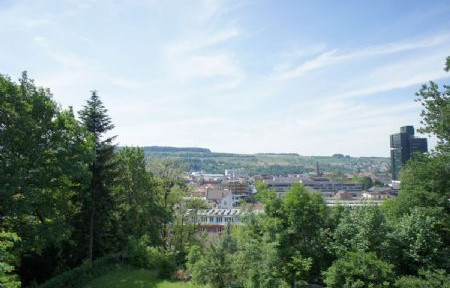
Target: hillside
point(266, 163)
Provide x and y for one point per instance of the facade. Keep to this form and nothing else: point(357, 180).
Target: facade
point(282, 184)
point(327, 187)
point(380, 193)
point(403, 145)
point(213, 220)
point(240, 187)
point(231, 201)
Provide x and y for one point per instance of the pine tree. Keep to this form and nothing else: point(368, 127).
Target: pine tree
point(98, 200)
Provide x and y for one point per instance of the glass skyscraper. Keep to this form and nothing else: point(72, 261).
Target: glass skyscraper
point(403, 146)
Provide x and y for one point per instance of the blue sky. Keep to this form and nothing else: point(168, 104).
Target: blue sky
point(310, 77)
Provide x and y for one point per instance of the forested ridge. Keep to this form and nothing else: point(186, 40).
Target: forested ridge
point(72, 204)
point(202, 159)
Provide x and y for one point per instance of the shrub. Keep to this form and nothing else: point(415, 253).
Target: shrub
point(142, 255)
point(359, 269)
point(79, 276)
point(426, 279)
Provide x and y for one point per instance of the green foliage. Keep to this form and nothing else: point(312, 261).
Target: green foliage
point(214, 265)
point(424, 197)
point(426, 279)
point(42, 164)
point(305, 215)
point(97, 202)
point(256, 260)
point(79, 276)
point(8, 260)
point(416, 244)
point(436, 112)
point(142, 255)
point(366, 182)
point(137, 211)
point(358, 270)
point(378, 183)
point(263, 163)
point(131, 277)
point(360, 229)
point(291, 232)
point(182, 229)
point(43, 167)
point(425, 181)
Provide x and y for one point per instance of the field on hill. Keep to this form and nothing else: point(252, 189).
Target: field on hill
point(201, 159)
point(135, 278)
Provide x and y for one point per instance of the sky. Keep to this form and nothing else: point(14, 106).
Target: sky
point(308, 77)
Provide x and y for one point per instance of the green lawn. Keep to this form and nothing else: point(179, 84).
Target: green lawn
point(134, 278)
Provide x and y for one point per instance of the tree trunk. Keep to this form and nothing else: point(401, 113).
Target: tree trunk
point(91, 233)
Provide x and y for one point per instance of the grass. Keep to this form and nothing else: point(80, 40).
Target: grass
point(130, 277)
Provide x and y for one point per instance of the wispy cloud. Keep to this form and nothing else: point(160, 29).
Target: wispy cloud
point(333, 57)
point(199, 53)
point(237, 76)
point(402, 73)
point(204, 41)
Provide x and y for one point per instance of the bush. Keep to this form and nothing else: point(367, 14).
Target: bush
point(426, 279)
point(142, 255)
point(79, 276)
point(7, 260)
point(359, 269)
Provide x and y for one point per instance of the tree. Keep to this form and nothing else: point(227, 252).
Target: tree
point(296, 223)
point(43, 166)
point(256, 264)
point(424, 187)
point(214, 265)
point(183, 225)
point(358, 270)
point(8, 260)
point(301, 239)
point(361, 229)
point(137, 210)
point(415, 244)
point(426, 279)
point(367, 182)
point(98, 201)
point(436, 112)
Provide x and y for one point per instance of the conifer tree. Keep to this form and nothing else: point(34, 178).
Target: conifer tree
point(98, 200)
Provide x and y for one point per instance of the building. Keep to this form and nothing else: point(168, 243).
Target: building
point(403, 146)
point(240, 187)
point(380, 193)
point(327, 187)
point(282, 184)
point(330, 187)
point(206, 178)
point(213, 220)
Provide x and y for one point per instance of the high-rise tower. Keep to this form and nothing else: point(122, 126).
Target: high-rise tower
point(403, 146)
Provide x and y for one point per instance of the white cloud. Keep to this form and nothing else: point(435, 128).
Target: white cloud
point(188, 73)
point(333, 57)
point(204, 41)
point(401, 73)
point(208, 66)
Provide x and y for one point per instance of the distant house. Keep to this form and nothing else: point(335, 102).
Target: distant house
point(215, 196)
point(213, 220)
point(379, 193)
point(343, 195)
point(216, 220)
